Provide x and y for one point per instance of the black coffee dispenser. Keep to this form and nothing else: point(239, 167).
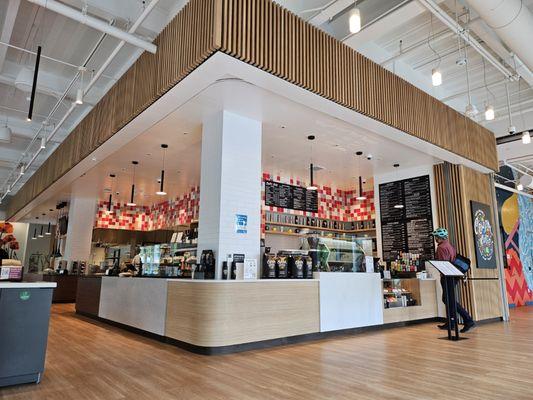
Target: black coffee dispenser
point(207, 264)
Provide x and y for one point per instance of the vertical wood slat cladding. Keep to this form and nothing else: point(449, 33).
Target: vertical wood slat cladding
point(482, 297)
point(190, 38)
point(285, 46)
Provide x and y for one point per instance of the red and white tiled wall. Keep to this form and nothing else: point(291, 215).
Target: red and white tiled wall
point(180, 211)
point(333, 203)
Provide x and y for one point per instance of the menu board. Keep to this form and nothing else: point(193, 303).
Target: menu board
point(406, 229)
point(283, 195)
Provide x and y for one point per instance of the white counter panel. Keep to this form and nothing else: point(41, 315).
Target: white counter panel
point(27, 285)
point(349, 300)
point(137, 302)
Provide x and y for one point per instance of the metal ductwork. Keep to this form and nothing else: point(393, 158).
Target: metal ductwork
point(512, 21)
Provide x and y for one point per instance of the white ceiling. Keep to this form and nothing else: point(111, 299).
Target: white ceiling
point(285, 149)
point(25, 25)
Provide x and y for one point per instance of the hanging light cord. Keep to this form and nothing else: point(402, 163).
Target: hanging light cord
point(430, 35)
point(487, 90)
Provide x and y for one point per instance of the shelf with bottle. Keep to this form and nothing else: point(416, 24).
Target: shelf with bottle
point(321, 224)
point(401, 293)
point(170, 260)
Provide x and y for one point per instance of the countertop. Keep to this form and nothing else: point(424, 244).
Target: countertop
point(27, 285)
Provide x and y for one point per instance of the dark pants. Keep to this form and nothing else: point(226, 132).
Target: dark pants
point(467, 319)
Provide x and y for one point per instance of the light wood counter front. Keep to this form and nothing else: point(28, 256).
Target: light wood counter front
point(219, 313)
point(427, 308)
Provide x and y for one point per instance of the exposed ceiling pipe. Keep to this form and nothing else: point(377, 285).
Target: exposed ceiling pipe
point(463, 33)
point(424, 42)
point(513, 23)
point(500, 186)
point(104, 66)
point(51, 113)
point(95, 23)
point(12, 46)
point(330, 11)
point(98, 74)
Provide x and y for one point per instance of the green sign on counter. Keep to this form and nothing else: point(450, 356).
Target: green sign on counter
point(24, 295)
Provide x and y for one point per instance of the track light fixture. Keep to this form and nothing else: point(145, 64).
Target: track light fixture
point(161, 191)
point(489, 112)
point(436, 77)
point(355, 19)
point(526, 137)
point(43, 142)
point(132, 196)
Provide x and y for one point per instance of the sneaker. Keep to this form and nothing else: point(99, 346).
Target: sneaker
point(468, 326)
point(443, 327)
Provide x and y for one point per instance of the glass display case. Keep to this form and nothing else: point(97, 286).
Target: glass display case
point(335, 255)
point(401, 293)
point(169, 260)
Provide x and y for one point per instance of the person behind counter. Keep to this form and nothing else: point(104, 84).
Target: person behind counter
point(446, 252)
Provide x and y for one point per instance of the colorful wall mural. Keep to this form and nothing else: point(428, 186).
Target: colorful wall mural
point(516, 225)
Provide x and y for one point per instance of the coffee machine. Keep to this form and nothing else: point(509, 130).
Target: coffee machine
point(207, 264)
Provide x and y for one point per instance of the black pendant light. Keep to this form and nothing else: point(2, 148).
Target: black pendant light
point(110, 201)
point(49, 230)
point(361, 196)
point(42, 231)
point(399, 205)
point(132, 197)
point(34, 234)
point(161, 191)
point(34, 85)
point(312, 185)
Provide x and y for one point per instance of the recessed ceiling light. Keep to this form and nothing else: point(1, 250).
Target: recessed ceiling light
point(93, 158)
point(358, 153)
point(185, 133)
point(282, 126)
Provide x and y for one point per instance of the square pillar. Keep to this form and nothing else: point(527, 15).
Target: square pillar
point(81, 215)
point(230, 187)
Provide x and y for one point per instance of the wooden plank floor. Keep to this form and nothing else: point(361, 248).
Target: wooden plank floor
point(89, 360)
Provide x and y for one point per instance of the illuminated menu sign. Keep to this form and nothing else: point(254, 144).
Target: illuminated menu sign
point(283, 195)
point(406, 229)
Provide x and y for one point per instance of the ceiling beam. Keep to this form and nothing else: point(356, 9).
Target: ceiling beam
point(96, 24)
point(7, 29)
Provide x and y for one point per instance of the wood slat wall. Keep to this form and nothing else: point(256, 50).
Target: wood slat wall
point(269, 37)
point(481, 297)
point(263, 34)
point(188, 40)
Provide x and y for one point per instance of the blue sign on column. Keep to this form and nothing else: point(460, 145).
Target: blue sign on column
point(241, 223)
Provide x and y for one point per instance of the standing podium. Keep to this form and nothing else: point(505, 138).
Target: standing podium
point(450, 274)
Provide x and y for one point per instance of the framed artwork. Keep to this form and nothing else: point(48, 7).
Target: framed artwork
point(484, 239)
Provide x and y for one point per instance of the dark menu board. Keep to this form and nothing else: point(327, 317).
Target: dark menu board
point(289, 196)
point(406, 229)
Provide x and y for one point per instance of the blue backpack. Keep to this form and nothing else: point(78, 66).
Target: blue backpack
point(462, 263)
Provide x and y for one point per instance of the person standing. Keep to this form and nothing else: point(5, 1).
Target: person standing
point(446, 252)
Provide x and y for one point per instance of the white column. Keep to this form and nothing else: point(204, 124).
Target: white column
point(230, 185)
point(81, 215)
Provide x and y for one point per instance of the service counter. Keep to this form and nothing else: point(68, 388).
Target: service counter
point(213, 317)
